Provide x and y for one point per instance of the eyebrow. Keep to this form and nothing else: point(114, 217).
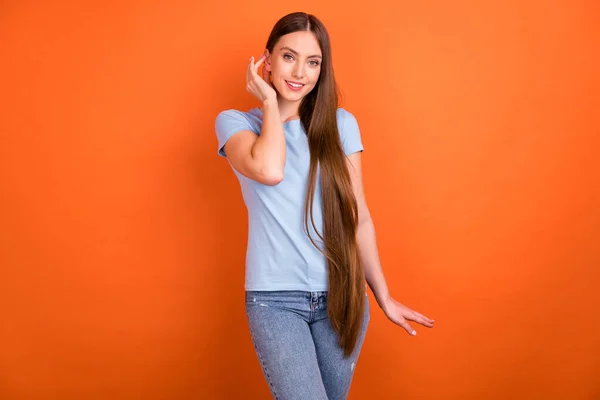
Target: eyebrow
point(296, 53)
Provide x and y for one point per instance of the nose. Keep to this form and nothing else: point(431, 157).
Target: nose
point(298, 71)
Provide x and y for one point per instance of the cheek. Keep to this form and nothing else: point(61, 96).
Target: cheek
point(279, 69)
point(314, 77)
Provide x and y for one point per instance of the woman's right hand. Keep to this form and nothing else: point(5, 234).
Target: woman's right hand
point(261, 88)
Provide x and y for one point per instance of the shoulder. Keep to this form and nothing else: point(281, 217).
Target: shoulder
point(345, 117)
point(349, 131)
point(231, 121)
point(232, 114)
point(236, 118)
point(346, 121)
point(341, 114)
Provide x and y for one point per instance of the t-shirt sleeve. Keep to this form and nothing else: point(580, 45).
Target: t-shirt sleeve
point(351, 140)
point(227, 124)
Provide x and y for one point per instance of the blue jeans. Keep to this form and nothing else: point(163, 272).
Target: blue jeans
point(296, 346)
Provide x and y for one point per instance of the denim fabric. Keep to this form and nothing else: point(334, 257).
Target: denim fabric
point(296, 346)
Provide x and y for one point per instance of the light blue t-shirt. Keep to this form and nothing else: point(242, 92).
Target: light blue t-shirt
point(280, 256)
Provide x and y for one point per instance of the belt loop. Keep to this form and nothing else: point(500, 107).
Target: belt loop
point(314, 298)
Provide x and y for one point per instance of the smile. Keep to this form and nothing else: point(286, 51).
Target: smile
point(294, 86)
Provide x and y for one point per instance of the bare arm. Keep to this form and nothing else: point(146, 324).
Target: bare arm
point(260, 158)
point(365, 235)
point(396, 312)
point(270, 146)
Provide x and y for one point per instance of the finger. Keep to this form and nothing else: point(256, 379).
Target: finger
point(424, 317)
point(412, 316)
point(260, 61)
point(249, 70)
point(424, 322)
point(266, 75)
point(253, 68)
point(408, 328)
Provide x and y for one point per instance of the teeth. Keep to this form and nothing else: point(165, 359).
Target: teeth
point(295, 85)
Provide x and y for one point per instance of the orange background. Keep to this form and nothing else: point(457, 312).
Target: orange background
point(123, 233)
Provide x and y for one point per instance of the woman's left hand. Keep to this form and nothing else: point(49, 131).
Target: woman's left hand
point(399, 314)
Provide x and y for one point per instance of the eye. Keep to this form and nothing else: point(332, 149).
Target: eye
point(315, 63)
point(287, 55)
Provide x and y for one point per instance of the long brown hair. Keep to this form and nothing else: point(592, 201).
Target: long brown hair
point(318, 114)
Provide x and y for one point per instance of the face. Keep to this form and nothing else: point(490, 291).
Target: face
point(296, 59)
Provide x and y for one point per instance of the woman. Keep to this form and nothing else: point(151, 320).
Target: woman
point(297, 159)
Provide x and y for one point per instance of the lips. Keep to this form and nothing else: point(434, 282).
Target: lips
point(294, 85)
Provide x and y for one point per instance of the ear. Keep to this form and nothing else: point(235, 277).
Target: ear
point(267, 63)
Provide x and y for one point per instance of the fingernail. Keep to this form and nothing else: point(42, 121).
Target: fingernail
point(414, 333)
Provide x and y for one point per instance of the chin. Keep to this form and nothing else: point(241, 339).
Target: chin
point(294, 97)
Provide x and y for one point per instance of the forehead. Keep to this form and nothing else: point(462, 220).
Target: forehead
point(304, 42)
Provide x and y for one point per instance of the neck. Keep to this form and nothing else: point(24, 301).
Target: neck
point(288, 109)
